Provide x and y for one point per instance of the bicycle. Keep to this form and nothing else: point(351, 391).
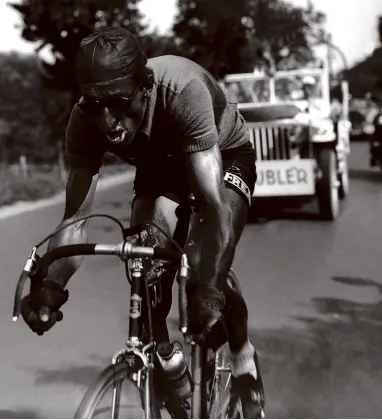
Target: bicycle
point(210, 376)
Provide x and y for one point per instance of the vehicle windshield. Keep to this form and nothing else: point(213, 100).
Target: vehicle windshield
point(287, 88)
point(290, 88)
point(248, 91)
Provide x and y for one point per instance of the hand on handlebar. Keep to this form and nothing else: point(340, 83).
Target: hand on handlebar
point(40, 308)
point(205, 316)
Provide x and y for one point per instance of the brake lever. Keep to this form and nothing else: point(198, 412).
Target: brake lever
point(27, 270)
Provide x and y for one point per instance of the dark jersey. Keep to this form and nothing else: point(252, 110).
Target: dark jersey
point(187, 111)
point(378, 127)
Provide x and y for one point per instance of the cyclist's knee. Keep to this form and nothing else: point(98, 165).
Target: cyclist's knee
point(236, 319)
point(236, 308)
point(159, 210)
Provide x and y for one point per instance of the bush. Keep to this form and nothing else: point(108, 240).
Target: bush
point(42, 181)
point(14, 187)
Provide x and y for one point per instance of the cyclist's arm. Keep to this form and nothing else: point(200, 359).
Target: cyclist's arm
point(84, 152)
point(210, 243)
point(80, 190)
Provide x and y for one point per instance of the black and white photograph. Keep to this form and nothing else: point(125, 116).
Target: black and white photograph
point(190, 209)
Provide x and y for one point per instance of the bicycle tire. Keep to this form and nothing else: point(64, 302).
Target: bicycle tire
point(106, 380)
point(224, 407)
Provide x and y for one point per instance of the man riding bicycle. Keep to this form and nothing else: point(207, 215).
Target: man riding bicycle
point(169, 118)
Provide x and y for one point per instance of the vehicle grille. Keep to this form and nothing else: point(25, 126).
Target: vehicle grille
point(272, 142)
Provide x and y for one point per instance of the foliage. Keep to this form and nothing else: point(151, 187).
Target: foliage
point(30, 112)
point(42, 181)
point(379, 29)
point(62, 24)
point(229, 36)
point(366, 76)
point(211, 33)
point(39, 184)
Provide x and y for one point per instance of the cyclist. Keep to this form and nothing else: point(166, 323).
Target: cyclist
point(170, 118)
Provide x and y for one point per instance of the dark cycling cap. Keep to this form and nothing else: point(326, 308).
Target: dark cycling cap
point(109, 54)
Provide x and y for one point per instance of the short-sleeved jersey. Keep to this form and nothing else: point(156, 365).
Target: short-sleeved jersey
point(187, 111)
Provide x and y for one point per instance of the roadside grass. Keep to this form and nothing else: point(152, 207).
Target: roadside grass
point(40, 181)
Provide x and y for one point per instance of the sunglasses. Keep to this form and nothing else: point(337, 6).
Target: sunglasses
point(116, 104)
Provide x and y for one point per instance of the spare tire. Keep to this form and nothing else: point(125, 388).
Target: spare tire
point(270, 112)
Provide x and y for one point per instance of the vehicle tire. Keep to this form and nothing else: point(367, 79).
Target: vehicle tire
point(110, 378)
point(344, 182)
point(327, 186)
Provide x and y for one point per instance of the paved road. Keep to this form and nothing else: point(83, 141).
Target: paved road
point(314, 294)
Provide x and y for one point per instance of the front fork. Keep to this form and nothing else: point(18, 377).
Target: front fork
point(139, 357)
point(141, 365)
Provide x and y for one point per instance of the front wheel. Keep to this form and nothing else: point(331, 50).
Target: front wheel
point(327, 185)
point(104, 397)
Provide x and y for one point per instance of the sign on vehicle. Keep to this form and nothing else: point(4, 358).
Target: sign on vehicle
point(285, 178)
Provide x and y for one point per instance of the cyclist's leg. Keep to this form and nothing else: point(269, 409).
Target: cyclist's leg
point(161, 211)
point(155, 200)
point(240, 177)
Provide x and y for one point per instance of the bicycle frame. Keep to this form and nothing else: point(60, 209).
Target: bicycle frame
point(136, 359)
point(146, 353)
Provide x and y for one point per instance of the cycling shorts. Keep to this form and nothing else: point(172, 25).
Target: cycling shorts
point(166, 176)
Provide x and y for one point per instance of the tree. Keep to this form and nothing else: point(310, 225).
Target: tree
point(27, 108)
point(229, 36)
point(155, 44)
point(211, 33)
point(285, 32)
point(62, 24)
point(365, 76)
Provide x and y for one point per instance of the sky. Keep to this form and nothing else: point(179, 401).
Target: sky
point(351, 22)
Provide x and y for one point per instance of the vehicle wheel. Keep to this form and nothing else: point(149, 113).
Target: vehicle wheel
point(343, 178)
point(327, 186)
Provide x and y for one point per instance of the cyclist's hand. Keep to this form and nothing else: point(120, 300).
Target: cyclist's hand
point(205, 316)
point(49, 295)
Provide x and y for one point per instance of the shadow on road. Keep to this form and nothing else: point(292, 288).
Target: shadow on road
point(332, 368)
point(328, 367)
point(76, 375)
point(19, 414)
point(365, 175)
point(268, 212)
point(287, 215)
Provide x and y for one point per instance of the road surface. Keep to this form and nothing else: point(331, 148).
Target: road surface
point(314, 296)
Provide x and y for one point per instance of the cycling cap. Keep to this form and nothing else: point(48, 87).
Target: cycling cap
point(109, 54)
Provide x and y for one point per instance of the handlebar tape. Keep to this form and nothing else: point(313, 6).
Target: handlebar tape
point(182, 302)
